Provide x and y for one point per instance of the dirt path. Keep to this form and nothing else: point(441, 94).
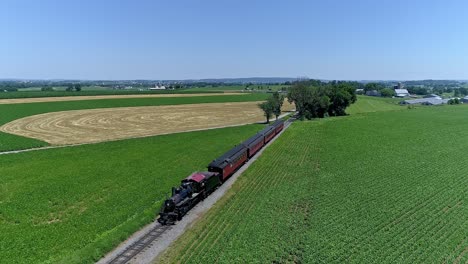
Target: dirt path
point(98, 125)
point(163, 242)
point(101, 97)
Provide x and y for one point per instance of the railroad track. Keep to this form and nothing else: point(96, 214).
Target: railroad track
point(144, 242)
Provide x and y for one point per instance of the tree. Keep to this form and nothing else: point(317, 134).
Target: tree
point(277, 101)
point(438, 90)
point(463, 91)
point(46, 88)
point(373, 86)
point(317, 99)
point(456, 92)
point(267, 108)
point(387, 92)
point(300, 94)
point(341, 95)
point(69, 87)
point(417, 90)
point(77, 87)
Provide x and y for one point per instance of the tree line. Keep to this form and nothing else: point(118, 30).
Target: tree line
point(314, 99)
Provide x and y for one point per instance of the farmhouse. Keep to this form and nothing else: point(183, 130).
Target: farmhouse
point(401, 93)
point(465, 99)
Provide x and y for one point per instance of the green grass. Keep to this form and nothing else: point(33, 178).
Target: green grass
point(365, 104)
point(10, 112)
point(72, 205)
point(87, 91)
point(384, 187)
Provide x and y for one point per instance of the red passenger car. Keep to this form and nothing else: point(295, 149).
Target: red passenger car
point(254, 144)
point(278, 125)
point(228, 163)
point(268, 133)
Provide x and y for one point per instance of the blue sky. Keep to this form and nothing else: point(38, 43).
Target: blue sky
point(120, 39)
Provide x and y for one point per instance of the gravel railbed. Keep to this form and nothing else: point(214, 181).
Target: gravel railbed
point(150, 254)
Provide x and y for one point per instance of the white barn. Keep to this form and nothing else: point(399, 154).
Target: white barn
point(156, 87)
point(401, 93)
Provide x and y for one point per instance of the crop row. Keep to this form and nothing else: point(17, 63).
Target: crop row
point(363, 189)
point(75, 204)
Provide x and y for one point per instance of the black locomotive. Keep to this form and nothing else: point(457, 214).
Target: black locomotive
point(199, 185)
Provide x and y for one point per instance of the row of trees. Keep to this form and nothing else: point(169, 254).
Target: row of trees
point(454, 101)
point(73, 87)
point(314, 99)
point(320, 99)
point(460, 92)
point(70, 87)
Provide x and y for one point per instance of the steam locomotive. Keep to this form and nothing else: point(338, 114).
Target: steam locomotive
point(199, 185)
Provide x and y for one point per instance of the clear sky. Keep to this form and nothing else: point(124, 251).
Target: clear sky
point(151, 39)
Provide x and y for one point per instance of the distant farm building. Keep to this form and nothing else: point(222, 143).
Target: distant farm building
point(398, 86)
point(465, 100)
point(435, 96)
point(373, 93)
point(401, 93)
point(425, 101)
point(157, 87)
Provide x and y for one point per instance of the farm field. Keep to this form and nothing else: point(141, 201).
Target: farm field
point(366, 104)
point(15, 111)
point(384, 187)
point(101, 97)
point(35, 93)
point(97, 125)
point(92, 197)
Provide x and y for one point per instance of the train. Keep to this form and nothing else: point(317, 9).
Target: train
point(199, 185)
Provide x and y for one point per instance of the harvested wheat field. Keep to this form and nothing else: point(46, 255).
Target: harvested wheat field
point(101, 97)
point(96, 125)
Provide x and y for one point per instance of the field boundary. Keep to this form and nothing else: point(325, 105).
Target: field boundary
point(92, 143)
point(151, 253)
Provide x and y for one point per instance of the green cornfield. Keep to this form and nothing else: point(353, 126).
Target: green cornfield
point(74, 204)
point(386, 187)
